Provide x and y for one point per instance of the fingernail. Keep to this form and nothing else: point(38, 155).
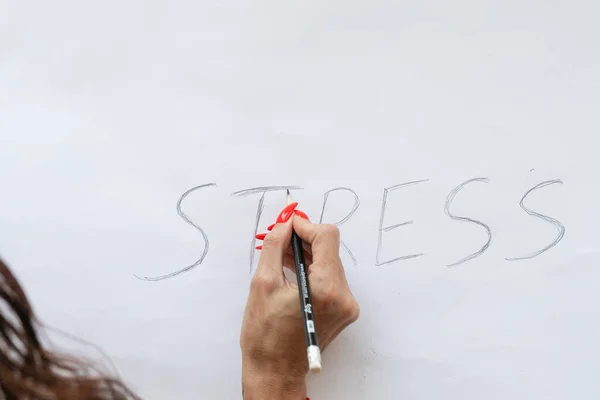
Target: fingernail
point(261, 236)
point(258, 247)
point(270, 227)
point(287, 212)
point(301, 214)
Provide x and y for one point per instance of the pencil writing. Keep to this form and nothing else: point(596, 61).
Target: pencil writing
point(449, 200)
point(557, 224)
point(346, 218)
point(382, 229)
point(189, 221)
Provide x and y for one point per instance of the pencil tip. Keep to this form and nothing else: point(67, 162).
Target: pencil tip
point(289, 197)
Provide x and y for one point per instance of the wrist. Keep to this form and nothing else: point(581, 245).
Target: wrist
point(267, 386)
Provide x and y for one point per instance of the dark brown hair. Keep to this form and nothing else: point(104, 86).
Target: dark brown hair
point(28, 371)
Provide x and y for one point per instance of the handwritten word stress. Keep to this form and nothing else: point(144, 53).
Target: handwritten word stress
point(383, 228)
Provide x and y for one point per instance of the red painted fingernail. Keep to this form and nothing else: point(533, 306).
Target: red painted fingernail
point(270, 227)
point(258, 247)
point(261, 236)
point(301, 214)
point(287, 212)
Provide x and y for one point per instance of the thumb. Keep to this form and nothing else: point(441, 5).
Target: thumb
point(324, 239)
point(305, 229)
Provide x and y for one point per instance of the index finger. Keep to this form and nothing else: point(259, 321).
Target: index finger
point(270, 263)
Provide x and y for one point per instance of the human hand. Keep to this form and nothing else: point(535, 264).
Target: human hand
point(274, 359)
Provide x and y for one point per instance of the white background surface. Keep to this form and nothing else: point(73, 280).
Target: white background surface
point(110, 110)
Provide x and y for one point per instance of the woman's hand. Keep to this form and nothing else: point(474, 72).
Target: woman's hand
point(274, 359)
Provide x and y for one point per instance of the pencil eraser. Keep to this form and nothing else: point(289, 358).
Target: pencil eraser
point(314, 358)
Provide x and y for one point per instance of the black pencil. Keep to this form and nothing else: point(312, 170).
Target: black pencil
point(312, 344)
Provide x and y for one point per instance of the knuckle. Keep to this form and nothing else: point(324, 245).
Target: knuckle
point(262, 283)
point(272, 240)
point(351, 310)
point(339, 302)
point(331, 230)
point(329, 297)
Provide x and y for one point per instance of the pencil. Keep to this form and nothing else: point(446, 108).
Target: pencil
point(312, 344)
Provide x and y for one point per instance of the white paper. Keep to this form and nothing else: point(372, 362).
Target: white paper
point(110, 111)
